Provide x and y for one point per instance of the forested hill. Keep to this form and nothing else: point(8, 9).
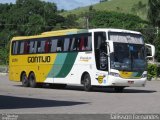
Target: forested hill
point(136, 7)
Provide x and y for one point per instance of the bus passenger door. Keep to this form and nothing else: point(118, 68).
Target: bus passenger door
point(101, 58)
point(101, 52)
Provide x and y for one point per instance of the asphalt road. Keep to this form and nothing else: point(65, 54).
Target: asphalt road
point(73, 100)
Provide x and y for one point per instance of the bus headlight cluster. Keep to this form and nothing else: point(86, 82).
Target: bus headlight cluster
point(114, 74)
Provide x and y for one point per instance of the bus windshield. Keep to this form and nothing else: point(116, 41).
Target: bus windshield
point(130, 57)
point(129, 52)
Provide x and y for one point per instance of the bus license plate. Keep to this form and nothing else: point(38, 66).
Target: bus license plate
point(131, 82)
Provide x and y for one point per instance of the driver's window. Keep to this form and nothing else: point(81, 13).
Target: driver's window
point(101, 51)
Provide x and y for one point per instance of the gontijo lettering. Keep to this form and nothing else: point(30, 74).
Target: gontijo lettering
point(39, 59)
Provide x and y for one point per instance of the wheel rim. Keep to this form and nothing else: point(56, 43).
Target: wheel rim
point(32, 79)
point(87, 83)
point(24, 80)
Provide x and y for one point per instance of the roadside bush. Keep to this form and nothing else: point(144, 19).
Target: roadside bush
point(152, 71)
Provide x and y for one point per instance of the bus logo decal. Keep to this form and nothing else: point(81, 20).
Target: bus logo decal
point(39, 59)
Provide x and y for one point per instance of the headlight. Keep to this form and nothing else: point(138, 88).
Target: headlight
point(114, 74)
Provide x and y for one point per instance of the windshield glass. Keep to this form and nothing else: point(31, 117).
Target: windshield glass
point(129, 51)
point(129, 57)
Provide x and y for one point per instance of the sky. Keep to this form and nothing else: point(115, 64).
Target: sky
point(64, 4)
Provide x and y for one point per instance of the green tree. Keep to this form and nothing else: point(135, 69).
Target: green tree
point(154, 12)
point(139, 9)
point(35, 25)
point(70, 21)
point(154, 18)
point(149, 34)
point(26, 17)
point(105, 19)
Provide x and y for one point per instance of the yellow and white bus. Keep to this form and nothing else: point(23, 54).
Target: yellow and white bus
point(95, 57)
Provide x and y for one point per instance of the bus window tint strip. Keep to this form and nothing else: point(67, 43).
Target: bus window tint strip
point(70, 43)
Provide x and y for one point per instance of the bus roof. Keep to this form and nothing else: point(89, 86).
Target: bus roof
point(72, 31)
point(52, 33)
point(114, 30)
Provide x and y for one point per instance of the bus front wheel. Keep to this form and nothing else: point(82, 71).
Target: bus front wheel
point(24, 79)
point(87, 82)
point(32, 80)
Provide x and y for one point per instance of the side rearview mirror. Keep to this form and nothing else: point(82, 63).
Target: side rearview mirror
point(150, 50)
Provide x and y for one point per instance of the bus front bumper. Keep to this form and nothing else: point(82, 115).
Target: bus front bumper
point(117, 81)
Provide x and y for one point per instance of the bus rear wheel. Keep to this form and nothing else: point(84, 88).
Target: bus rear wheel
point(24, 79)
point(32, 80)
point(87, 82)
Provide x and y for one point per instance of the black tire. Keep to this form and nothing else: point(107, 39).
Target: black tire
point(87, 82)
point(119, 89)
point(32, 80)
point(24, 80)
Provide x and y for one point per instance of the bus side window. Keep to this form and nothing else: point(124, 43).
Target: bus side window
point(66, 44)
point(38, 46)
point(31, 49)
point(72, 44)
point(76, 43)
point(88, 43)
point(47, 46)
point(16, 48)
point(42, 48)
point(13, 47)
point(89, 46)
point(21, 47)
point(81, 44)
point(35, 46)
point(54, 45)
point(60, 45)
point(26, 47)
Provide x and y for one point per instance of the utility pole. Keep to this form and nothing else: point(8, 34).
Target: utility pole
point(87, 22)
point(157, 29)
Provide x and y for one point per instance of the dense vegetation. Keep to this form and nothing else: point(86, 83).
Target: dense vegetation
point(105, 19)
point(154, 18)
point(135, 7)
point(30, 17)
